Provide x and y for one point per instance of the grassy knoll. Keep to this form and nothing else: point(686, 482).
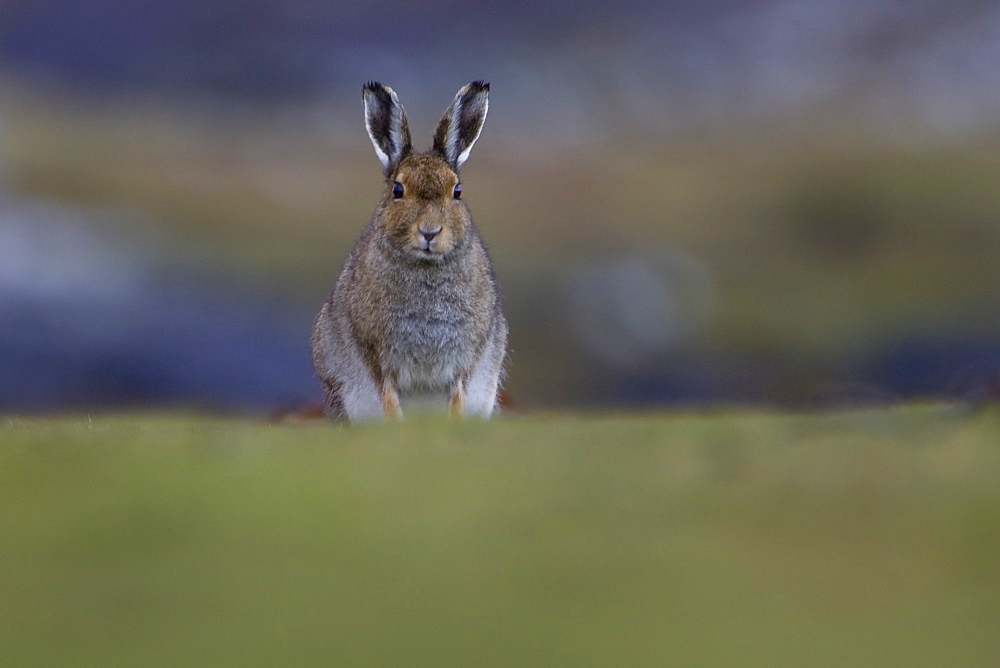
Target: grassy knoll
point(735, 538)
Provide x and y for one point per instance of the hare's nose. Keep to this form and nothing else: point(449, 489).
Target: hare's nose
point(429, 236)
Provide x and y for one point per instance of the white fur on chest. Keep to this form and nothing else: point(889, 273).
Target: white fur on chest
point(427, 354)
point(431, 336)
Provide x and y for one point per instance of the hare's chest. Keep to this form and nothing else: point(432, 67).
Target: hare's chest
point(432, 344)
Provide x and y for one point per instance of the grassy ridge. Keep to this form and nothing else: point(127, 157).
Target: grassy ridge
point(613, 540)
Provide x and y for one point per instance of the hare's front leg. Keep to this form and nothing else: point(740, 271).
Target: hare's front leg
point(456, 404)
point(390, 400)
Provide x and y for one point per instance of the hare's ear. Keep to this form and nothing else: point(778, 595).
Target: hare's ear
point(461, 124)
point(385, 119)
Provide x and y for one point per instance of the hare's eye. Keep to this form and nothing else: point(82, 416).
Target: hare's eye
point(458, 191)
point(397, 189)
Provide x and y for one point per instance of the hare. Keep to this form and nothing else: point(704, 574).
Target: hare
point(415, 315)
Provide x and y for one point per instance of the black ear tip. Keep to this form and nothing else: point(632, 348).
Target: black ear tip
point(481, 85)
point(372, 86)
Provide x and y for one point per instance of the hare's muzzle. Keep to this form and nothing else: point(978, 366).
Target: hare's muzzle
point(427, 236)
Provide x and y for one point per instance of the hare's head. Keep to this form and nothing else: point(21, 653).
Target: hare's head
point(422, 212)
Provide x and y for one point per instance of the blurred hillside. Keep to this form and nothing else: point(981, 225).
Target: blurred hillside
point(788, 202)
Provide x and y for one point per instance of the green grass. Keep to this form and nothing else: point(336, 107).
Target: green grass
point(735, 538)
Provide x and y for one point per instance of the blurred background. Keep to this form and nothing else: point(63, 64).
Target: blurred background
point(767, 202)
